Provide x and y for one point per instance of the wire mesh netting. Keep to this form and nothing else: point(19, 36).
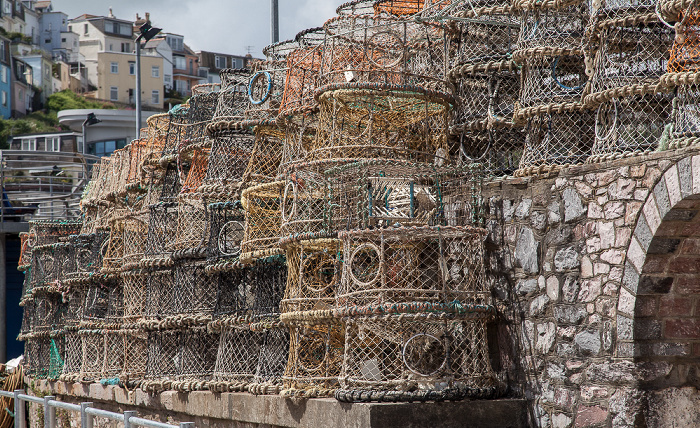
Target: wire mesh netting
point(262, 225)
point(231, 152)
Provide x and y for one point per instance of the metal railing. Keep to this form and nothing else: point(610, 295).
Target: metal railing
point(87, 412)
point(40, 185)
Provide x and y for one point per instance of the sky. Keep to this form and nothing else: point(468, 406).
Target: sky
point(225, 26)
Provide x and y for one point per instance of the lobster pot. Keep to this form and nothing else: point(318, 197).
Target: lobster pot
point(104, 301)
point(199, 350)
point(45, 267)
point(266, 86)
point(266, 157)
point(305, 206)
point(114, 248)
point(226, 223)
point(74, 303)
point(172, 182)
point(195, 290)
point(191, 217)
point(49, 311)
point(486, 37)
point(162, 229)
point(28, 316)
point(230, 154)
point(313, 274)
point(402, 8)
point(64, 257)
point(315, 356)
point(94, 354)
point(159, 126)
point(73, 357)
point(272, 359)
point(299, 135)
point(201, 112)
point(686, 117)
point(134, 239)
point(262, 215)
point(179, 119)
point(499, 149)
point(382, 193)
point(484, 100)
point(237, 357)
point(232, 101)
point(416, 356)
point(137, 155)
point(57, 352)
point(161, 293)
point(386, 50)
point(135, 293)
point(87, 254)
point(303, 66)
point(357, 7)
point(114, 354)
point(631, 124)
point(121, 165)
point(550, 81)
point(135, 355)
point(37, 356)
point(556, 139)
point(550, 27)
point(357, 121)
point(235, 296)
point(425, 264)
point(253, 291)
point(50, 232)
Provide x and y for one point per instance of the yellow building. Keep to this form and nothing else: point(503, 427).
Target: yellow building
point(116, 77)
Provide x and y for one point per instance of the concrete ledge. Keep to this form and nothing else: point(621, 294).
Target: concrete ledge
point(242, 409)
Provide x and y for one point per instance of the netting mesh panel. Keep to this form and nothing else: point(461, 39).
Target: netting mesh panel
point(615, 9)
point(313, 275)
point(196, 291)
point(632, 123)
point(164, 354)
point(266, 156)
point(299, 136)
point(57, 353)
point(199, 350)
point(553, 28)
point(226, 226)
point(162, 229)
point(135, 295)
point(237, 359)
point(400, 7)
point(93, 358)
point(267, 279)
point(273, 356)
point(104, 301)
point(179, 118)
point(266, 86)
point(191, 222)
point(369, 123)
point(136, 151)
point(315, 355)
point(551, 80)
point(262, 227)
point(51, 232)
point(385, 50)
point(25, 255)
point(162, 296)
point(134, 239)
point(74, 301)
point(87, 254)
point(48, 312)
point(230, 154)
point(488, 38)
point(686, 117)
point(303, 66)
point(558, 138)
point(73, 356)
point(232, 100)
point(28, 315)
point(408, 355)
point(114, 249)
point(135, 355)
point(38, 356)
point(172, 184)
point(234, 293)
point(413, 265)
point(377, 192)
point(114, 354)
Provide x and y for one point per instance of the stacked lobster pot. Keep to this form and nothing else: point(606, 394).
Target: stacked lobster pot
point(45, 310)
point(482, 38)
point(558, 126)
point(682, 76)
point(629, 46)
point(242, 257)
point(179, 298)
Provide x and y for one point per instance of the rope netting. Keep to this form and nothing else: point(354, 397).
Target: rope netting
point(303, 66)
point(266, 156)
point(226, 222)
point(231, 152)
point(232, 102)
point(262, 220)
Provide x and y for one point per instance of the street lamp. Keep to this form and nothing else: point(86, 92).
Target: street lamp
point(147, 33)
point(91, 119)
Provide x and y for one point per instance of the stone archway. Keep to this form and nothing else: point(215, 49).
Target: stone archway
point(658, 312)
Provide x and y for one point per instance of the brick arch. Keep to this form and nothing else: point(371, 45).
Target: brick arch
point(658, 311)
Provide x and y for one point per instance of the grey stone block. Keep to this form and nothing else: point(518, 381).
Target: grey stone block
point(661, 196)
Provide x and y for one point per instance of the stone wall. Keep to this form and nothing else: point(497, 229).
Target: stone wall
point(567, 259)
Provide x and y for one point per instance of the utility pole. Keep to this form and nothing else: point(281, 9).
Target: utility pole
point(274, 21)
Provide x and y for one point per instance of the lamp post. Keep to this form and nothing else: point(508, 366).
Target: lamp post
point(147, 33)
point(274, 21)
point(91, 119)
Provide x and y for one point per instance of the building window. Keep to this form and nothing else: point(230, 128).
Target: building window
point(113, 93)
point(155, 97)
point(126, 47)
point(132, 68)
point(191, 67)
point(4, 98)
point(63, 40)
point(4, 75)
point(105, 148)
point(236, 63)
point(114, 67)
point(85, 31)
point(79, 141)
point(220, 61)
point(180, 63)
point(115, 27)
point(111, 47)
point(167, 78)
point(155, 71)
point(29, 144)
point(53, 144)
